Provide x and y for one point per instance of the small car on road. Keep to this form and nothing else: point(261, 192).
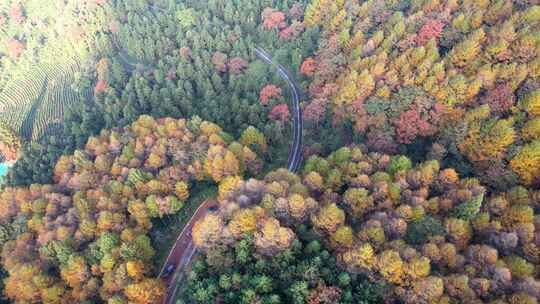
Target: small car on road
point(169, 269)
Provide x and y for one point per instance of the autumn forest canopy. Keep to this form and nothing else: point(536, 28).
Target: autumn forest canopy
point(420, 174)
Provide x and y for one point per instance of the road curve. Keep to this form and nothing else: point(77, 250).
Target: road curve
point(295, 152)
point(183, 250)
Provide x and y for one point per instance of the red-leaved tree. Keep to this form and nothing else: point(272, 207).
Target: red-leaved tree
point(171, 74)
point(237, 65)
point(381, 141)
point(296, 11)
point(114, 26)
point(75, 33)
point(324, 294)
point(315, 111)
point(500, 99)
point(185, 52)
point(280, 112)
point(431, 29)
point(220, 61)
point(291, 31)
point(269, 92)
point(273, 19)
point(410, 125)
point(101, 86)
point(16, 13)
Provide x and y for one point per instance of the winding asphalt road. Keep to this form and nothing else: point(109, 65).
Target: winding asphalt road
point(183, 250)
point(295, 153)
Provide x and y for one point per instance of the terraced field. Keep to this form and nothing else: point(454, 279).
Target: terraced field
point(55, 37)
point(33, 103)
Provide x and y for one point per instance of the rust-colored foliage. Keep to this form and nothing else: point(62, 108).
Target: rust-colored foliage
point(273, 19)
point(431, 29)
point(280, 112)
point(292, 30)
point(382, 70)
point(269, 92)
point(315, 111)
point(101, 86)
point(324, 295)
point(220, 61)
point(185, 52)
point(410, 125)
point(237, 65)
point(500, 99)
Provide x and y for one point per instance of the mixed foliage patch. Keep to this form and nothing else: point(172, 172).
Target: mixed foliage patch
point(430, 235)
point(180, 59)
point(461, 75)
point(86, 236)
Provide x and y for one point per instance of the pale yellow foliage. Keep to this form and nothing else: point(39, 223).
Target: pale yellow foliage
point(360, 258)
point(181, 190)
point(297, 206)
point(329, 218)
point(243, 222)
point(227, 186)
point(391, 266)
point(342, 238)
point(273, 238)
point(135, 269)
point(418, 268)
point(207, 231)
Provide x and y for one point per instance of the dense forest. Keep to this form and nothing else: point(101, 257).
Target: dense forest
point(303, 273)
point(85, 237)
point(420, 180)
point(197, 61)
point(44, 44)
point(455, 78)
point(434, 237)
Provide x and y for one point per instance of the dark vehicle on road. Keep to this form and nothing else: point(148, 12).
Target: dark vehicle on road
point(169, 270)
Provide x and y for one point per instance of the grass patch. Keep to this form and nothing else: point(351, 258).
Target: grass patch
point(166, 230)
